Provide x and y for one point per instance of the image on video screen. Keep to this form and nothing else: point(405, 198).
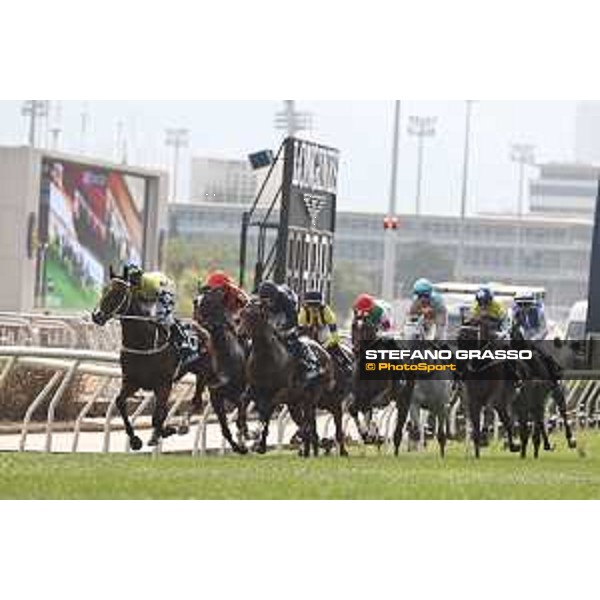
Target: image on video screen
point(90, 218)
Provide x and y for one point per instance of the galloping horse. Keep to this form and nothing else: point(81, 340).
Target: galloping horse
point(371, 394)
point(431, 394)
point(230, 358)
point(149, 361)
point(272, 377)
point(497, 392)
point(531, 402)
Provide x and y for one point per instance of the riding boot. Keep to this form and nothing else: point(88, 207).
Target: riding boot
point(341, 360)
point(185, 344)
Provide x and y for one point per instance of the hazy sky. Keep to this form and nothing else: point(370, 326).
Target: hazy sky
point(361, 130)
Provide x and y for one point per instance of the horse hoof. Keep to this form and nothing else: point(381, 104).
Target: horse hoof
point(550, 448)
point(572, 444)
point(515, 448)
point(344, 452)
point(259, 449)
point(153, 441)
point(168, 431)
point(135, 443)
point(242, 450)
point(183, 430)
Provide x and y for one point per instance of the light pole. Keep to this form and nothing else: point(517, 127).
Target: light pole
point(421, 128)
point(465, 190)
point(389, 239)
point(524, 155)
point(177, 139)
point(34, 109)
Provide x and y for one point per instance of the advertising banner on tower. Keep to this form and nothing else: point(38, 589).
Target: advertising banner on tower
point(308, 208)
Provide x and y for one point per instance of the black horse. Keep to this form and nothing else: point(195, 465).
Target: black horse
point(497, 391)
point(273, 379)
point(229, 356)
point(149, 359)
point(542, 380)
point(372, 394)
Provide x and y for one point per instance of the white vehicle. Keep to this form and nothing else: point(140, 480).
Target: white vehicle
point(577, 320)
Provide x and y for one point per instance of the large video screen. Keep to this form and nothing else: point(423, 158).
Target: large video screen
point(90, 218)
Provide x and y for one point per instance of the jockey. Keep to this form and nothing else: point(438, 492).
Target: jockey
point(234, 297)
point(375, 312)
point(316, 313)
point(282, 305)
point(155, 293)
point(528, 314)
point(487, 307)
point(431, 306)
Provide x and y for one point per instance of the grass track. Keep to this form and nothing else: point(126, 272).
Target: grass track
point(560, 475)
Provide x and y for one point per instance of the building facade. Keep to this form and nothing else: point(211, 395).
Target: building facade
point(548, 252)
point(222, 181)
point(563, 189)
point(587, 132)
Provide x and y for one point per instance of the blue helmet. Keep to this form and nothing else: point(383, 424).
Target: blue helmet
point(268, 290)
point(484, 295)
point(423, 287)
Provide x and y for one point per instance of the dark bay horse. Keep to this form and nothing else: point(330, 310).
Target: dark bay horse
point(272, 378)
point(229, 356)
point(486, 384)
point(372, 394)
point(149, 360)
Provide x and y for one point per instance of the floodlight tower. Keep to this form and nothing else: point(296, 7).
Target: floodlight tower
point(292, 121)
point(421, 128)
point(177, 139)
point(34, 109)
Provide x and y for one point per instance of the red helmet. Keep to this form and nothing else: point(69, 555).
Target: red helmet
point(218, 279)
point(364, 303)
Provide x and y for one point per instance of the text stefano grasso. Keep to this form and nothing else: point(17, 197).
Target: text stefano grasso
point(496, 354)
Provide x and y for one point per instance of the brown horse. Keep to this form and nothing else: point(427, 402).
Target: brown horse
point(273, 379)
point(230, 361)
point(149, 360)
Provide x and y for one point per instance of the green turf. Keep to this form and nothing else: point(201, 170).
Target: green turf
point(67, 293)
point(498, 475)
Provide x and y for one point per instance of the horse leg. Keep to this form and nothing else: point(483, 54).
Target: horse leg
point(160, 414)
point(218, 404)
point(126, 391)
point(558, 394)
point(265, 415)
point(441, 419)
point(339, 429)
point(402, 407)
point(242, 418)
point(475, 418)
point(502, 411)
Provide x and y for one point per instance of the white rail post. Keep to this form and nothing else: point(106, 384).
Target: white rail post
point(97, 392)
point(67, 379)
point(10, 363)
point(282, 421)
point(41, 397)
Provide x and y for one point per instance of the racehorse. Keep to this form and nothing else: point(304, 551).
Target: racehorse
point(431, 393)
point(335, 400)
point(149, 360)
point(230, 362)
point(497, 391)
point(371, 394)
point(272, 379)
point(539, 383)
